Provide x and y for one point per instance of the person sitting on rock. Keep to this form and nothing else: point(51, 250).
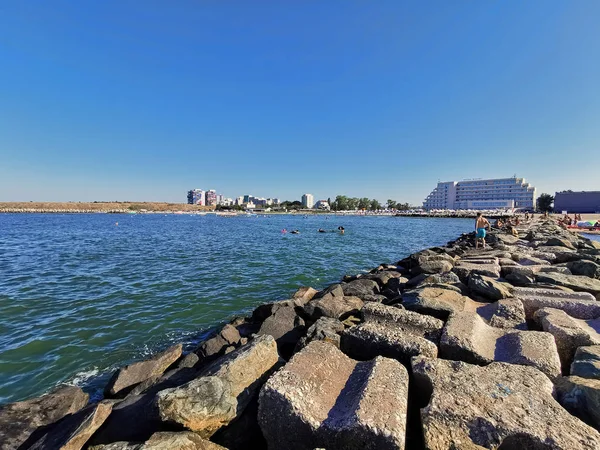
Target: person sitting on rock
point(481, 223)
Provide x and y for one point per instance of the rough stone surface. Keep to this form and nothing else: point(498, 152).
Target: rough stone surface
point(465, 268)
point(585, 268)
point(580, 396)
point(506, 313)
point(580, 305)
point(488, 287)
point(127, 377)
point(500, 406)
point(183, 440)
point(324, 329)
point(230, 334)
point(334, 307)
point(578, 283)
point(18, 421)
point(305, 293)
point(468, 338)
point(405, 321)
point(284, 325)
point(73, 432)
point(361, 287)
point(569, 333)
point(371, 339)
point(222, 391)
point(323, 399)
point(586, 363)
point(435, 301)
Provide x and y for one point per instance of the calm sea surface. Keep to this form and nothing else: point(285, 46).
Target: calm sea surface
point(80, 295)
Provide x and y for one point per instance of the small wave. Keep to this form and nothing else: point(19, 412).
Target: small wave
point(81, 378)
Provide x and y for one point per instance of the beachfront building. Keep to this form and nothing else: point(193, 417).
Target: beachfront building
point(308, 200)
point(196, 197)
point(498, 193)
point(211, 198)
point(322, 204)
point(577, 202)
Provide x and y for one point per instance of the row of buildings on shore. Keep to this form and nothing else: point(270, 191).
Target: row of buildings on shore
point(248, 201)
point(504, 193)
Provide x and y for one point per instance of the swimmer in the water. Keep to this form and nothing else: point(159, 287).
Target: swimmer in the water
point(295, 232)
point(321, 230)
point(284, 231)
point(341, 229)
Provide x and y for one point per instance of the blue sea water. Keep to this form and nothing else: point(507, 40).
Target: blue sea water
point(81, 295)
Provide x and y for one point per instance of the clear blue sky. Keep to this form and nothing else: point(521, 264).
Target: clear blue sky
point(143, 100)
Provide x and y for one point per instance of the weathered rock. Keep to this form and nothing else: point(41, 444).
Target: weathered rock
point(127, 377)
point(442, 278)
point(361, 287)
point(586, 363)
point(500, 406)
point(285, 326)
point(334, 307)
point(465, 268)
point(189, 360)
point(19, 421)
point(375, 298)
point(580, 396)
point(576, 282)
point(230, 334)
point(569, 333)
point(212, 348)
point(222, 391)
point(580, 305)
point(468, 338)
point(335, 290)
point(586, 268)
point(405, 321)
point(305, 294)
point(324, 329)
point(133, 419)
point(371, 339)
point(530, 260)
point(519, 279)
point(322, 398)
point(182, 440)
point(507, 238)
point(488, 287)
point(434, 301)
point(72, 432)
point(558, 242)
point(509, 313)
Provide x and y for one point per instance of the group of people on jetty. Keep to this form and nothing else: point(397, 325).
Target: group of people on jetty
point(506, 223)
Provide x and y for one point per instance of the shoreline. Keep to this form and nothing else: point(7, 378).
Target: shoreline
point(395, 313)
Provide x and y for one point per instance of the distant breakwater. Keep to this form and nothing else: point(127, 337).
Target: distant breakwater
point(498, 343)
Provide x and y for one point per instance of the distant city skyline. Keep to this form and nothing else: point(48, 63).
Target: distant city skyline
point(141, 101)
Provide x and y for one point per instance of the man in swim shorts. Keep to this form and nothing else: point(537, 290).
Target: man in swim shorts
point(480, 225)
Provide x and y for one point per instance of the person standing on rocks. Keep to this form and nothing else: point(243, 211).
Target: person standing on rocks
point(480, 225)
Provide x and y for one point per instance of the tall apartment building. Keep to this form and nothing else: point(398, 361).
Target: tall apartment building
point(308, 200)
point(577, 202)
point(496, 193)
point(196, 197)
point(211, 198)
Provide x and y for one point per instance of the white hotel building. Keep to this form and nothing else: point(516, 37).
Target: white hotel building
point(501, 193)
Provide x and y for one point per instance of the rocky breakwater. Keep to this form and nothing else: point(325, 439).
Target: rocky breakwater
point(451, 348)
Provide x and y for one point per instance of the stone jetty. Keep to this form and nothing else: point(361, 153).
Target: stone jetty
point(450, 348)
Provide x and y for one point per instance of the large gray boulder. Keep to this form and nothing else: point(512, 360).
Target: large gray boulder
point(467, 266)
point(18, 421)
point(580, 305)
point(580, 396)
point(324, 329)
point(305, 294)
point(500, 406)
point(165, 440)
point(438, 301)
point(468, 338)
point(323, 399)
point(585, 268)
point(578, 283)
point(506, 313)
point(129, 376)
point(73, 432)
point(488, 287)
point(586, 363)
point(569, 333)
point(223, 390)
point(286, 326)
point(371, 339)
point(334, 307)
point(360, 288)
